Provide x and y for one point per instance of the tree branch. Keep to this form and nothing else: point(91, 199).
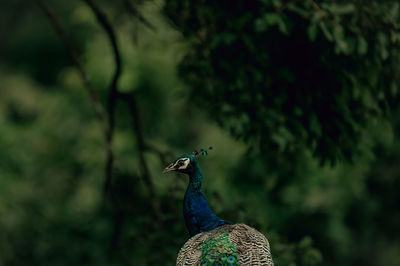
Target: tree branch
point(135, 13)
point(112, 96)
point(136, 125)
point(315, 6)
point(75, 58)
point(108, 128)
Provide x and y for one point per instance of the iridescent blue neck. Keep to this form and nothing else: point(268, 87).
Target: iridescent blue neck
point(198, 214)
point(195, 178)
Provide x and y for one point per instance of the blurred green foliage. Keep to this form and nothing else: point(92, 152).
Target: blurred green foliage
point(292, 75)
point(276, 87)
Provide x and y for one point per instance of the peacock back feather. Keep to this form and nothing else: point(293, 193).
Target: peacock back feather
point(236, 244)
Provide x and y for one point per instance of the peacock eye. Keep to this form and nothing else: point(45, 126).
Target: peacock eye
point(180, 163)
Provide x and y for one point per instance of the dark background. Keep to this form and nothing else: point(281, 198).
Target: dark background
point(299, 100)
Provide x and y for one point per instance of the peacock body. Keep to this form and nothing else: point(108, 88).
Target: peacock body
point(214, 241)
point(236, 244)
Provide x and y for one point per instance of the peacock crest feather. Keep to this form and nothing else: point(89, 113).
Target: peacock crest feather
point(202, 152)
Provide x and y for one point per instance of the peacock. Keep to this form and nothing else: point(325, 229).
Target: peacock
point(214, 241)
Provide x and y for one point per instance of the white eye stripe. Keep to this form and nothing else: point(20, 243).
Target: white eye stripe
point(183, 163)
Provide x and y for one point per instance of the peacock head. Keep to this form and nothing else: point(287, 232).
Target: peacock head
point(185, 163)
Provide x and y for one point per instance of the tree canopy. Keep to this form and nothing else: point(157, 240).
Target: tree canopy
point(292, 75)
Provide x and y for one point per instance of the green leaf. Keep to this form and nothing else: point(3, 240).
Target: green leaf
point(362, 46)
point(342, 9)
point(325, 30)
point(312, 31)
point(275, 19)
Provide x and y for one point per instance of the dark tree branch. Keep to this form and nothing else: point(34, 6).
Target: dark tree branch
point(99, 111)
point(75, 58)
point(112, 97)
point(316, 6)
point(136, 14)
point(108, 128)
point(95, 100)
point(136, 125)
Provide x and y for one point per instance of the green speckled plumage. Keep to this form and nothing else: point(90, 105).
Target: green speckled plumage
point(236, 244)
point(218, 250)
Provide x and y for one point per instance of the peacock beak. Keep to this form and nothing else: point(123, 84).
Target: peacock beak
point(169, 169)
